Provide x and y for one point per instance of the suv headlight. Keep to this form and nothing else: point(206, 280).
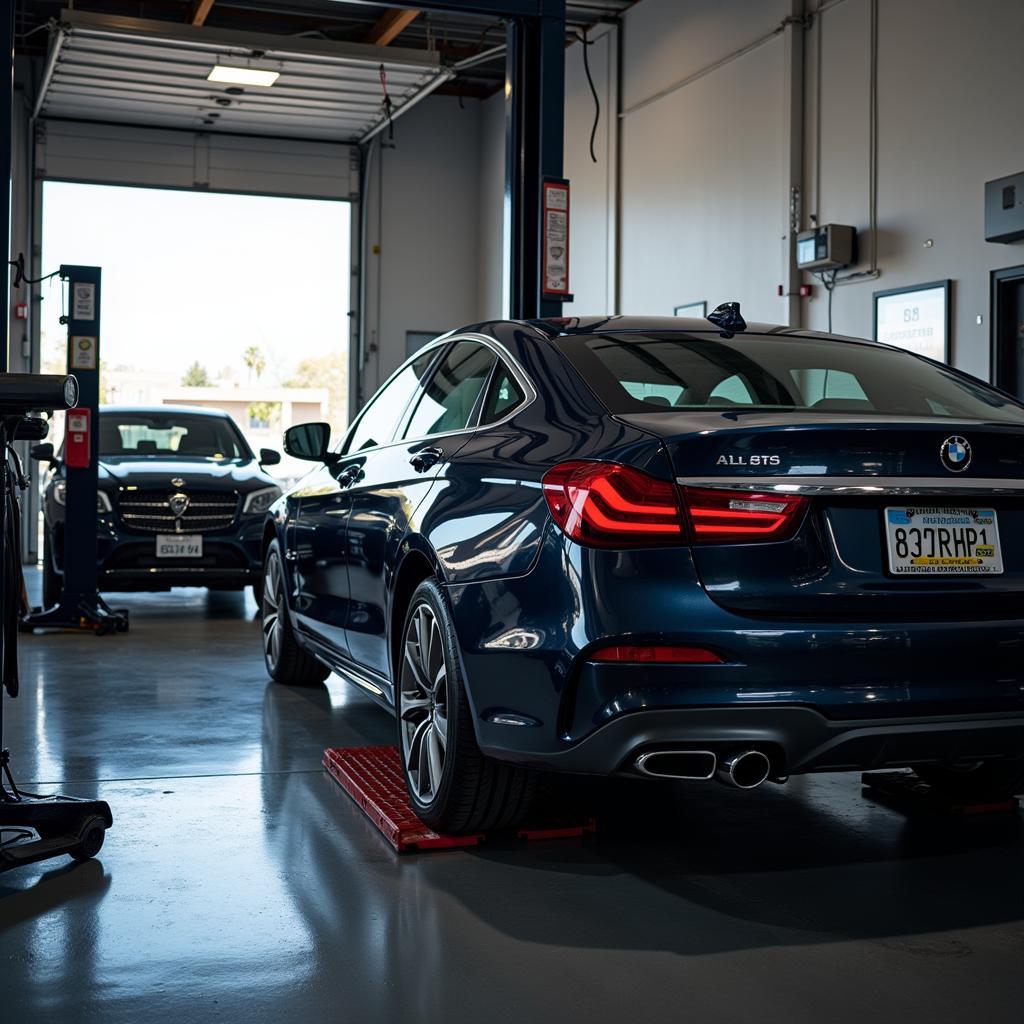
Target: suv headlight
point(60, 495)
point(257, 503)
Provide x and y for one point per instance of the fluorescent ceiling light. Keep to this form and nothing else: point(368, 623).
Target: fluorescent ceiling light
point(242, 76)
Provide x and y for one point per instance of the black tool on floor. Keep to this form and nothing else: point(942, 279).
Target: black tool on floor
point(32, 827)
point(909, 794)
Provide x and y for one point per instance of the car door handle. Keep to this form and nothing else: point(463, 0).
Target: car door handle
point(425, 459)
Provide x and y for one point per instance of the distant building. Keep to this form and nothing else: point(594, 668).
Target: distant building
point(262, 413)
point(287, 406)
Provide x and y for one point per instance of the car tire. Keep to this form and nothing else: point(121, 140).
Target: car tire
point(53, 583)
point(453, 787)
point(287, 663)
point(984, 779)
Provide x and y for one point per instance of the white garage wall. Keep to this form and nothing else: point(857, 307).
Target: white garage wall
point(423, 241)
point(492, 204)
point(950, 81)
point(704, 203)
point(592, 226)
point(703, 175)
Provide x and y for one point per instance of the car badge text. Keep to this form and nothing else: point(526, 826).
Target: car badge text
point(748, 460)
point(176, 481)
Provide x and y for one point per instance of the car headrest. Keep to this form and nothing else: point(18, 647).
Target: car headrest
point(200, 438)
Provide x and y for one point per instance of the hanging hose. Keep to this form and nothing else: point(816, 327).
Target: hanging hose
point(593, 91)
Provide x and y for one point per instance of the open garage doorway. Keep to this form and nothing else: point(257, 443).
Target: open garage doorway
point(227, 301)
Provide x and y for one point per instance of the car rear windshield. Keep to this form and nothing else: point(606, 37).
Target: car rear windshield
point(177, 435)
point(634, 373)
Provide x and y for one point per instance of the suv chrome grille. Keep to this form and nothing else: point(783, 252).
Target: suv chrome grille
point(150, 511)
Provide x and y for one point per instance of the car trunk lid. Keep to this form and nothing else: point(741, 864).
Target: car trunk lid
point(851, 470)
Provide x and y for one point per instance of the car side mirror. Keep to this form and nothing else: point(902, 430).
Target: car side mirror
point(268, 457)
point(309, 442)
point(43, 453)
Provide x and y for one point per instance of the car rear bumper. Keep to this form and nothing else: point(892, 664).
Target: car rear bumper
point(824, 694)
point(797, 740)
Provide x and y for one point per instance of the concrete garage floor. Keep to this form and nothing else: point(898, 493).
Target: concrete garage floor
point(239, 883)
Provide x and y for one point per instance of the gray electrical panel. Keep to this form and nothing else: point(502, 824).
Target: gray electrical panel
point(1004, 209)
point(827, 247)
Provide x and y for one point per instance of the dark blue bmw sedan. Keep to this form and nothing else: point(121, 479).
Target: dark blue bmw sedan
point(663, 547)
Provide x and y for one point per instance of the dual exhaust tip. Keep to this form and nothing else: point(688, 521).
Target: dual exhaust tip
point(746, 769)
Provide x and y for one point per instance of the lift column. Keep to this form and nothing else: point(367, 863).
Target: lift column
point(80, 605)
point(81, 453)
point(534, 129)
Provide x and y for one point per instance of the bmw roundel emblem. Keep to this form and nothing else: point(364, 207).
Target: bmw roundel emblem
point(955, 454)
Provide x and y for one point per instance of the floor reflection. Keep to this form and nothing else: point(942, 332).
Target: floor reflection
point(239, 882)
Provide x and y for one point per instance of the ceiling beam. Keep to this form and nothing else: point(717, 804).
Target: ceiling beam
point(200, 11)
point(388, 26)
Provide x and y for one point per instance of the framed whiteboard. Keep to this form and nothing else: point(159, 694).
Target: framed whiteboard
point(915, 318)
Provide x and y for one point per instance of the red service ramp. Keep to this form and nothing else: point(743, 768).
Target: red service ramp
point(373, 777)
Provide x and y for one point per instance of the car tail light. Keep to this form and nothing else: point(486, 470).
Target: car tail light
point(737, 517)
point(661, 654)
point(607, 505)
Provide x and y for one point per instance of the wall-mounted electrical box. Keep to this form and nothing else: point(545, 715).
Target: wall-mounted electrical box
point(827, 247)
point(1004, 209)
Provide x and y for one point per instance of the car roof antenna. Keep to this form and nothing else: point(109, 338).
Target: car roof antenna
point(727, 317)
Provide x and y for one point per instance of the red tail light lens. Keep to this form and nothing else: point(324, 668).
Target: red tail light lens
point(607, 505)
point(659, 655)
point(737, 517)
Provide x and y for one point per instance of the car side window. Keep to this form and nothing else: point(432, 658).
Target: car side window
point(451, 394)
point(503, 395)
point(379, 419)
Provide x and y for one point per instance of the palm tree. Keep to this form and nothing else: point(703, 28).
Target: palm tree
point(253, 359)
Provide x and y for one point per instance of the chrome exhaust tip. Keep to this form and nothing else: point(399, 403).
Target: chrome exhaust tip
point(746, 770)
point(677, 764)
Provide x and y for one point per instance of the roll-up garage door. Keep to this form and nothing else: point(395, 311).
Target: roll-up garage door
point(110, 154)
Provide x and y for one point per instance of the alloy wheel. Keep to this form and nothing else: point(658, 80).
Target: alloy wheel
point(424, 703)
point(272, 600)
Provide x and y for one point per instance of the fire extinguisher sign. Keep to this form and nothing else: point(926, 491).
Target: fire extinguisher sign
point(556, 237)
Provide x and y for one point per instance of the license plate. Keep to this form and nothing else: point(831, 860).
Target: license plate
point(179, 545)
point(943, 541)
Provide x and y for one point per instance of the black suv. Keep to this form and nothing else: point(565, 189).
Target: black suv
point(181, 503)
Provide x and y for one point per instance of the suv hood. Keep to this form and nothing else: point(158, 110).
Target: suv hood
point(150, 472)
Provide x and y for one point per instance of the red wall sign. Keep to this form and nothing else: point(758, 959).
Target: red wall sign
point(77, 447)
point(555, 238)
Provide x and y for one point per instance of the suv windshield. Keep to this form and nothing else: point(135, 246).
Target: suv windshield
point(634, 373)
point(170, 434)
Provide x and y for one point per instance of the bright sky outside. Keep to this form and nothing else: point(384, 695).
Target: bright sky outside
point(201, 276)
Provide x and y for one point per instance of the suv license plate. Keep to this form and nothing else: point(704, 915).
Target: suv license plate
point(943, 541)
point(179, 545)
